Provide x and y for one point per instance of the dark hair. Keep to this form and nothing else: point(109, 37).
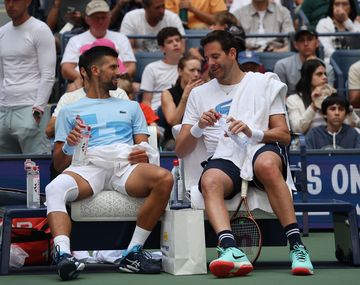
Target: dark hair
point(146, 3)
point(353, 9)
point(95, 56)
point(304, 86)
point(226, 18)
point(335, 99)
point(226, 39)
point(165, 33)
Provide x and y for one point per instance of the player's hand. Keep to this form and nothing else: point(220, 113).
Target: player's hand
point(75, 135)
point(208, 119)
point(138, 155)
point(238, 126)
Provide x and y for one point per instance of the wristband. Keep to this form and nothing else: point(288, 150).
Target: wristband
point(257, 136)
point(67, 149)
point(196, 131)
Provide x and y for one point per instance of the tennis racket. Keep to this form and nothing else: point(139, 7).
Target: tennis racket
point(245, 229)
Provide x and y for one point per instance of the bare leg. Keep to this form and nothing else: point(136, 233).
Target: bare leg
point(155, 184)
point(215, 184)
point(268, 170)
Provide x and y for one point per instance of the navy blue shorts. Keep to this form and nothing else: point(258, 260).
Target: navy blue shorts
point(231, 170)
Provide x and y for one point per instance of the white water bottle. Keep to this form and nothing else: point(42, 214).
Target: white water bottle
point(32, 185)
point(175, 195)
point(240, 139)
point(79, 156)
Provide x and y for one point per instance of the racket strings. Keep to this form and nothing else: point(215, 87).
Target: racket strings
point(247, 236)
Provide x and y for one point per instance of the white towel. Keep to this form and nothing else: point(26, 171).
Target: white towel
point(116, 156)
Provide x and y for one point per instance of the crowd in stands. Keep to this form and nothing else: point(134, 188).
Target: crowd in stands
point(132, 26)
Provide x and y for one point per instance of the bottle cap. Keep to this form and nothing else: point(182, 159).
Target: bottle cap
point(28, 164)
point(175, 162)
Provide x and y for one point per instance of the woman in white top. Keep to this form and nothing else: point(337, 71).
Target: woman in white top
point(303, 108)
point(341, 18)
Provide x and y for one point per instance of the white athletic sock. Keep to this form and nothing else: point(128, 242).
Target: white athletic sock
point(63, 242)
point(139, 237)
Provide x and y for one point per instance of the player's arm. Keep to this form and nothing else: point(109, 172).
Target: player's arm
point(187, 139)
point(63, 151)
point(139, 155)
point(278, 130)
point(61, 160)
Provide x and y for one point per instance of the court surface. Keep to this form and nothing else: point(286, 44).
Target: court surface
point(273, 267)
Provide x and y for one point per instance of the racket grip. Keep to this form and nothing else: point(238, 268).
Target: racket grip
point(244, 188)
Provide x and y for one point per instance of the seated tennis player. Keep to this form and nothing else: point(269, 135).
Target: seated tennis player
point(253, 104)
point(117, 158)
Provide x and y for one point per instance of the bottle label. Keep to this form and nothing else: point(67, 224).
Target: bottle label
point(180, 190)
point(36, 188)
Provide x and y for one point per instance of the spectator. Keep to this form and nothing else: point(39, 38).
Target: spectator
point(304, 107)
point(341, 18)
point(224, 20)
point(315, 10)
point(27, 75)
point(354, 84)
point(62, 12)
point(335, 134)
point(98, 19)
point(149, 21)
point(237, 4)
point(114, 136)
point(201, 13)
point(261, 17)
point(254, 106)
point(118, 10)
point(288, 69)
point(250, 61)
point(162, 74)
point(173, 100)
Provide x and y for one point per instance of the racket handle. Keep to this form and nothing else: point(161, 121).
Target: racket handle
point(244, 188)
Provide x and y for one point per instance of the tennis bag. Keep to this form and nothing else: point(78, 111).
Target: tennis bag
point(34, 237)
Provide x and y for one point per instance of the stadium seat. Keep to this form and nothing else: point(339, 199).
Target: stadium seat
point(193, 37)
point(268, 59)
point(143, 58)
point(341, 60)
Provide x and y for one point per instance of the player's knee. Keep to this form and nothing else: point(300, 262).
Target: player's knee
point(166, 181)
point(209, 183)
point(61, 190)
point(266, 167)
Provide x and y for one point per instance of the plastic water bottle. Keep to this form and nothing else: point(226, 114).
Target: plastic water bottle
point(183, 14)
point(79, 156)
point(240, 139)
point(32, 184)
point(178, 199)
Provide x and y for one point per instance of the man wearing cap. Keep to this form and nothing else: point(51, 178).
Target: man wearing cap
point(249, 61)
point(149, 21)
point(27, 75)
point(98, 18)
point(288, 69)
